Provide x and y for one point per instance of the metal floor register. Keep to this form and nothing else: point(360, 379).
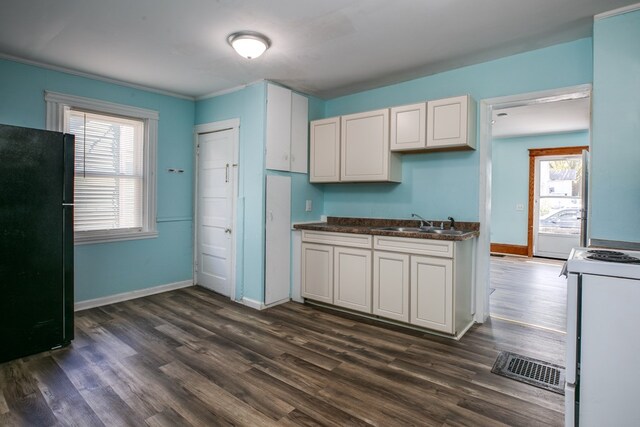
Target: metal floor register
point(530, 371)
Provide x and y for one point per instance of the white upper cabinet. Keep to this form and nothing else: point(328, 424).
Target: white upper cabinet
point(287, 137)
point(325, 150)
point(299, 133)
point(451, 123)
point(408, 124)
point(364, 148)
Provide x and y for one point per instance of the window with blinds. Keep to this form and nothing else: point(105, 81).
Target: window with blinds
point(109, 171)
point(115, 166)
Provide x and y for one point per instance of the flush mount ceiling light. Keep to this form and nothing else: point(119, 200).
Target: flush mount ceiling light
point(249, 44)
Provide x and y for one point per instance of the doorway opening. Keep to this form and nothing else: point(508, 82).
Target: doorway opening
point(522, 289)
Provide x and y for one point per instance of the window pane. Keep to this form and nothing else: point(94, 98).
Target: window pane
point(561, 177)
point(109, 164)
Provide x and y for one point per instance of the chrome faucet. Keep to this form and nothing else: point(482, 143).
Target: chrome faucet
point(423, 222)
point(453, 222)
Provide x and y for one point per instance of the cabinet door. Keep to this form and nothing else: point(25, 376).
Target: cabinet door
point(432, 293)
point(299, 133)
point(325, 150)
point(352, 278)
point(391, 285)
point(447, 122)
point(278, 128)
point(277, 239)
point(317, 272)
point(408, 124)
point(365, 146)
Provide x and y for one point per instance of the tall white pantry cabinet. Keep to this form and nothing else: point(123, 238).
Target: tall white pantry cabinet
point(286, 149)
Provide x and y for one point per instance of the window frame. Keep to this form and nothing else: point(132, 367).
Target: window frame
point(58, 103)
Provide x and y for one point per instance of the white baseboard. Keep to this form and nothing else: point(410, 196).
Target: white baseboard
point(256, 305)
point(125, 296)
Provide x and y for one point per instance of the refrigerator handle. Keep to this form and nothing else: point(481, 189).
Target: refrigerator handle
point(572, 328)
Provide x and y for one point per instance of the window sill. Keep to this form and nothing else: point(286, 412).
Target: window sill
point(80, 239)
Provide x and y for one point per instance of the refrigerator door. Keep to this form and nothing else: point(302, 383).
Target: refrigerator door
point(31, 248)
point(67, 242)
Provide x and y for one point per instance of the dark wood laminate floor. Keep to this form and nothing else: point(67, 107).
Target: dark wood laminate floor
point(190, 357)
point(529, 290)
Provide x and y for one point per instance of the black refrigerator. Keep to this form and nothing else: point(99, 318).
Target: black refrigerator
point(36, 241)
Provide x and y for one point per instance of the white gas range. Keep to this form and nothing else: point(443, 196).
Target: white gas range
point(603, 338)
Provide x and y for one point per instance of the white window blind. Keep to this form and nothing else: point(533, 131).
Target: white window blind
point(109, 171)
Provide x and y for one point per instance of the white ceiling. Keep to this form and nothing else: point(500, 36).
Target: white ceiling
point(323, 47)
point(542, 118)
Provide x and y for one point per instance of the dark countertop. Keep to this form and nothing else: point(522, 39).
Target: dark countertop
point(372, 225)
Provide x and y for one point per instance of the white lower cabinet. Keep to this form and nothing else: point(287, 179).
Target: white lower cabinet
point(391, 285)
point(432, 293)
point(352, 278)
point(424, 282)
point(317, 272)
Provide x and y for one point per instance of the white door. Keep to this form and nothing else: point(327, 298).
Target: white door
point(215, 203)
point(278, 239)
point(557, 205)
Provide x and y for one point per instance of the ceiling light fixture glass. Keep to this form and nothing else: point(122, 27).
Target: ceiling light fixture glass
point(249, 44)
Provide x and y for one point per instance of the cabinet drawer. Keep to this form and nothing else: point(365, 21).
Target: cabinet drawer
point(337, 239)
point(439, 248)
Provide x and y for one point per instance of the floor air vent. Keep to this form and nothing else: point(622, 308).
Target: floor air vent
point(530, 371)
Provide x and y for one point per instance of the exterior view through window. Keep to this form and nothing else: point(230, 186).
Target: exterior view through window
point(109, 174)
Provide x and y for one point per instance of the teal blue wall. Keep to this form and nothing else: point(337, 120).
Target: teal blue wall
point(510, 181)
point(111, 268)
point(438, 185)
point(615, 155)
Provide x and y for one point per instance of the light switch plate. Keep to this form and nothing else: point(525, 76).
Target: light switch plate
point(308, 206)
point(519, 207)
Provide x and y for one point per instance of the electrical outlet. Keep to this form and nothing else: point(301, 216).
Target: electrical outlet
point(308, 206)
point(519, 207)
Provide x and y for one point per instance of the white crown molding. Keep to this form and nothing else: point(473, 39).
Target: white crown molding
point(125, 296)
point(226, 91)
point(619, 11)
point(94, 76)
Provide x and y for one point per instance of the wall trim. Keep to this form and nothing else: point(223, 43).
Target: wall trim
point(126, 296)
point(503, 248)
point(619, 11)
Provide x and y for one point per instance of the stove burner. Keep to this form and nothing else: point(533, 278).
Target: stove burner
point(604, 252)
point(613, 257)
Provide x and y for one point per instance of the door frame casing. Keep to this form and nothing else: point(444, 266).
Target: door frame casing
point(534, 153)
point(234, 125)
point(483, 244)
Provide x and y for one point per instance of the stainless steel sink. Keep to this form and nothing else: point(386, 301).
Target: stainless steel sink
point(406, 229)
point(422, 230)
point(447, 231)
